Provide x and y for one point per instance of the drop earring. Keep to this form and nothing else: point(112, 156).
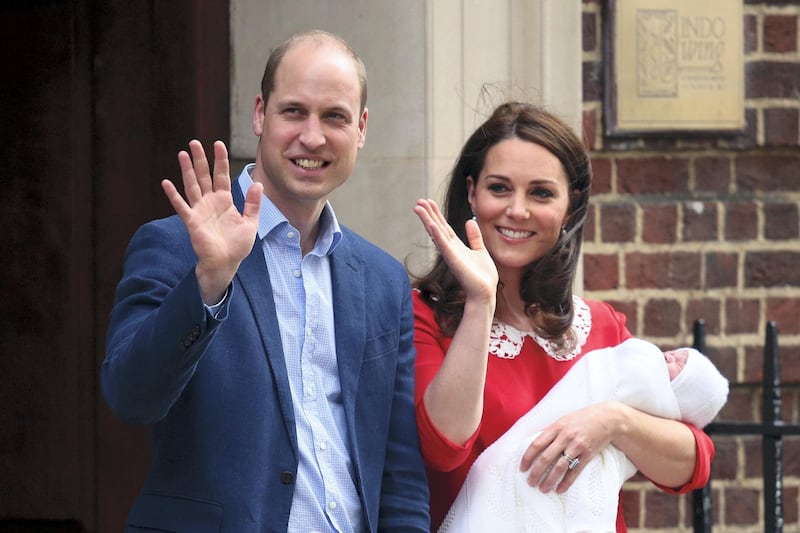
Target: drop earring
point(474, 217)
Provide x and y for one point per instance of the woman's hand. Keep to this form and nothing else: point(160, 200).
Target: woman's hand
point(472, 266)
point(663, 450)
point(454, 398)
point(579, 436)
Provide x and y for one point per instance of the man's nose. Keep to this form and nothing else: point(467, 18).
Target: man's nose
point(312, 136)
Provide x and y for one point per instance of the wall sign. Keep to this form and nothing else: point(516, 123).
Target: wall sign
point(674, 65)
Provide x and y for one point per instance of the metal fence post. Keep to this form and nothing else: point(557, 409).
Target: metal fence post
point(772, 443)
point(701, 498)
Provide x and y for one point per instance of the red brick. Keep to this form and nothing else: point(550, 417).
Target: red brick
point(707, 309)
point(752, 457)
point(630, 310)
point(748, 137)
point(700, 221)
point(741, 221)
point(592, 81)
point(725, 464)
point(617, 222)
point(781, 126)
point(659, 143)
point(653, 175)
point(791, 457)
point(772, 269)
point(791, 496)
point(721, 269)
point(600, 272)
point(680, 270)
point(768, 173)
point(726, 360)
point(789, 363)
point(754, 367)
point(589, 226)
point(659, 223)
point(662, 318)
point(772, 79)
point(589, 35)
point(780, 33)
point(631, 507)
point(785, 312)
point(700, 144)
point(712, 174)
point(739, 407)
point(741, 315)
point(601, 175)
point(662, 509)
point(741, 506)
point(589, 128)
point(716, 495)
point(750, 33)
point(781, 221)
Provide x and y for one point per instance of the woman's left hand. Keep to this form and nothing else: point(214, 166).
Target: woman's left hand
point(573, 439)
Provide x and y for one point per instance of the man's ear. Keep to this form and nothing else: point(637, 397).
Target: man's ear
point(362, 129)
point(258, 116)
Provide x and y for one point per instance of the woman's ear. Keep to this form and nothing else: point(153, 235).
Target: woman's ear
point(471, 192)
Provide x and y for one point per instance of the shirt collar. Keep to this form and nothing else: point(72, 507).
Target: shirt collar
point(270, 217)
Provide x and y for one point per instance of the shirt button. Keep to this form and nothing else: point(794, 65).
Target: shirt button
point(308, 332)
point(290, 235)
point(332, 505)
point(296, 273)
point(323, 446)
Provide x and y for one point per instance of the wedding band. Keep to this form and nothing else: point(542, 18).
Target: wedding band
point(573, 461)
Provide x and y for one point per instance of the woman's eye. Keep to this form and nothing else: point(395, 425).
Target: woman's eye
point(542, 193)
point(497, 187)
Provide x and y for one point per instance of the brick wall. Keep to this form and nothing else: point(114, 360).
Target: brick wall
point(688, 227)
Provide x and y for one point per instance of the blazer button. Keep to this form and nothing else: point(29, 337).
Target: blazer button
point(287, 477)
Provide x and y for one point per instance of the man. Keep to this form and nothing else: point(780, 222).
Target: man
point(270, 349)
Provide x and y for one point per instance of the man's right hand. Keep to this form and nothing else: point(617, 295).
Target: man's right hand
point(221, 236)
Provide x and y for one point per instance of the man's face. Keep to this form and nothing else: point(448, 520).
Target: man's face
point(310, 129)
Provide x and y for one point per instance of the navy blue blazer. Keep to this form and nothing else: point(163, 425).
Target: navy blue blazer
point(216, 392)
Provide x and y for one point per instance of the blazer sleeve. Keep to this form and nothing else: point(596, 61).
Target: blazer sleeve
point(159, 327)
point(404, 493)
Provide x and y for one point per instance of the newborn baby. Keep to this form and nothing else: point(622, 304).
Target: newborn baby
point(680, 384)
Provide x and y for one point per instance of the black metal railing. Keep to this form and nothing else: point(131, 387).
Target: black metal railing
point(772, 430)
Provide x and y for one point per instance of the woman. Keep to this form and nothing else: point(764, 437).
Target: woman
point(503, 281)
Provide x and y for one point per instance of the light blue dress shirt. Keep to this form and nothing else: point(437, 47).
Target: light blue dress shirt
point(325, 496)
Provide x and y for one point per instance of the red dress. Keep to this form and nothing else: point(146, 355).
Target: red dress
point(513, 387)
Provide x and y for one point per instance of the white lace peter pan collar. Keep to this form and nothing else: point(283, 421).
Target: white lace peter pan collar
point(506, 341)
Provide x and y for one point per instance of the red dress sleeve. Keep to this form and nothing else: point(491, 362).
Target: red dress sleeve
point(704, 447)
point(439, 452)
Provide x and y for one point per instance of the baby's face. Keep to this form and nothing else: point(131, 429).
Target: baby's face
point(676, 360)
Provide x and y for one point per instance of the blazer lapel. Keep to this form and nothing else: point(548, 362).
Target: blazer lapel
point(254, 280)
point(349, 310)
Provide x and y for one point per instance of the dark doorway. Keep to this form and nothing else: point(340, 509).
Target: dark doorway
point(97, 98)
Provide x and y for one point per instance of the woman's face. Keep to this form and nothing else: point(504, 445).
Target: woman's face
point(521, 201)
